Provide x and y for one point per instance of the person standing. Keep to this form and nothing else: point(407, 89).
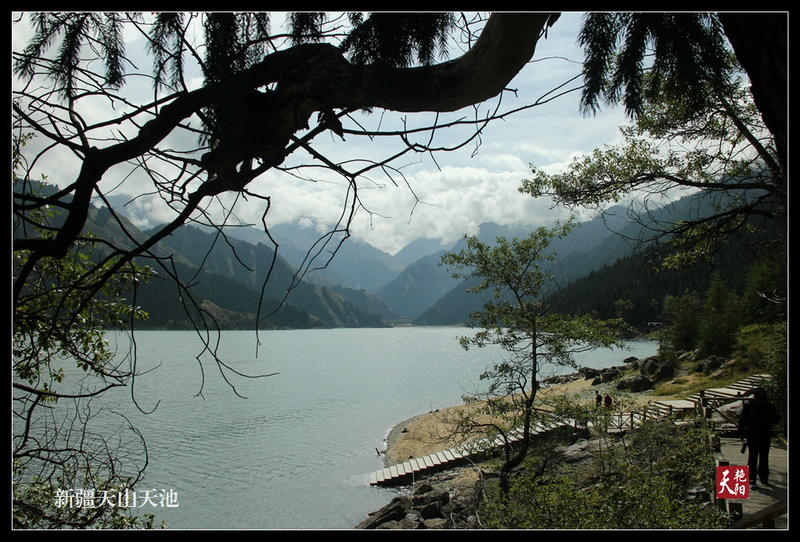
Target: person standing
point(755, 425)
point(607, 401)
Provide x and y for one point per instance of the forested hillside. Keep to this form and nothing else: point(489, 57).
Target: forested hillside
point(635, 287)
point(622, 273)
point(242, 278)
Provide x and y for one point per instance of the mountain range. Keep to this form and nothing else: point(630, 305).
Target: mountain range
point(359, 286)
point(237, 279)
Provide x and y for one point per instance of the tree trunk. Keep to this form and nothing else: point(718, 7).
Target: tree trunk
point(759, 41)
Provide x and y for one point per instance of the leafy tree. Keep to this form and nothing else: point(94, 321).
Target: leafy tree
point(688, 53)
point(774, 361)
point(636, 57)
point(719, 322)
point(245, 125)
point(61, 360)
point(265, 101)
point(761, 48)
point(262, 89)
point(765, 295)
point(517, 318)
point(265, 98)
point(721, 152)
point(682, 313)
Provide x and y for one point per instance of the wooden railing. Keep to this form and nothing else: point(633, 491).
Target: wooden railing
point(765, 517)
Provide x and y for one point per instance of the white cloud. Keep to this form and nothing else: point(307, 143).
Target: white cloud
point(506, 161)
point(453, 202)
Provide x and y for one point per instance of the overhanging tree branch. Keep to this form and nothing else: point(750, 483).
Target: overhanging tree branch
point(311, 78)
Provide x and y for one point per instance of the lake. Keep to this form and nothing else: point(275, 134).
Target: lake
point(291, 450)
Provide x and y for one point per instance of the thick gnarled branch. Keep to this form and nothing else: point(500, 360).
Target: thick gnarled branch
point(313, 78)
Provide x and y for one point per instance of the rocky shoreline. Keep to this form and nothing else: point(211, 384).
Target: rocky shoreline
point(446, 500)
point(450, 499)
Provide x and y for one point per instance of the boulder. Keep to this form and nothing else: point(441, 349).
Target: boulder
point(649, 366)
point(665, 372)
point(427, 507)
point(395, 511)
point(609, 374)
point(578, 451)
point(690, 356)
point(710, 365)
point(432, 510)
point(655, 369)
point(589, 372)
point(425, 496)
point(422, 488)
point(635, 384)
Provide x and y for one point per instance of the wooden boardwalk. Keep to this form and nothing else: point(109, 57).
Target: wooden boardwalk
point(683, 409)
point(705, 403)
point(407, 471)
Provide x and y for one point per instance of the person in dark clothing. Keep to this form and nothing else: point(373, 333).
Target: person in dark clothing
point(755, 425)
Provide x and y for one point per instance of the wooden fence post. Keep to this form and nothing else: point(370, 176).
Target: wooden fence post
point(736, 511)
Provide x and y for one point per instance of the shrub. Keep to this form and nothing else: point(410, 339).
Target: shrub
point(637, 482)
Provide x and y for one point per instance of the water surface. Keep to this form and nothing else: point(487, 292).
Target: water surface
point(291, 450)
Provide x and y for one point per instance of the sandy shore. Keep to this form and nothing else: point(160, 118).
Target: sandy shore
point(428, 433)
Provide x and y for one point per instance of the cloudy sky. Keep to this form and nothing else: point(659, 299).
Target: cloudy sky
point(444, 196)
